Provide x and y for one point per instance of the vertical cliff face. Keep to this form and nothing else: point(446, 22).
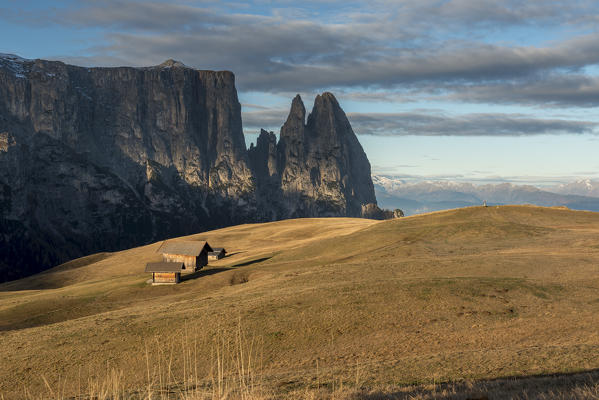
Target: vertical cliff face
point(176, 117)
point(264, 158)
point(293, 149)
point(107, 158)
point(321, 166)
point(338, 163)
point(101, 159)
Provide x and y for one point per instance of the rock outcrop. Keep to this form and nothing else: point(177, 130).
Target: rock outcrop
point(318, 168)
point(101, 159)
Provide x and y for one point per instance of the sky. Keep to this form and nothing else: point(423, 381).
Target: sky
point(468, 90)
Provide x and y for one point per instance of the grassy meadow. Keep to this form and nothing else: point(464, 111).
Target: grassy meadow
point(480, 302)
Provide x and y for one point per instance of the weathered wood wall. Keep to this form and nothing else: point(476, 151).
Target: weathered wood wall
point(188, 261)
point(166, 277)
point(191, 263)
point(202, 260)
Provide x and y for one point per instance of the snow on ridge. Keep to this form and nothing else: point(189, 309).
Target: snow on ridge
point(15, 64)
point(390, 182)
point(582, 187)
point(396, 185)
point(13, 57)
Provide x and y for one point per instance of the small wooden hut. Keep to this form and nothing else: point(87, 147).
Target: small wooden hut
point(192, 253)
point(216, 254)
point(165, 273)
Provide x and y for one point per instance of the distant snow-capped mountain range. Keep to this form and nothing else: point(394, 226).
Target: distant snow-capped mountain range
point(585, 187)
point(426, 196)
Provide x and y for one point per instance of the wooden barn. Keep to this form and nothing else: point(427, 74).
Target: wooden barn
point(217, 253)
point(192, 253)
point(165, 273)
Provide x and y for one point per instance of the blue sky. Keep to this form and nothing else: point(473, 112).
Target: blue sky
point(470, 90)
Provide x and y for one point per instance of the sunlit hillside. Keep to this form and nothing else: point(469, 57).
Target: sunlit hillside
point(311, 308)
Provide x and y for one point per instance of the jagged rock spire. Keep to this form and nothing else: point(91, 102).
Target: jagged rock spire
point(295, 123)
point(298, 111)
point(322, 167)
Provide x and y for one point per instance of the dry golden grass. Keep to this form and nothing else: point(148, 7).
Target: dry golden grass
point(347, 308)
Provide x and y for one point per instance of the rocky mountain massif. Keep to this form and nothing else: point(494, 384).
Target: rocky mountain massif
point(426, 196)
point(318, 168)
point(101, 159)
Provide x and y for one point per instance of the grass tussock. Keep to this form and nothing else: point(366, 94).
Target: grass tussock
point(236, 375)
point(173, 371)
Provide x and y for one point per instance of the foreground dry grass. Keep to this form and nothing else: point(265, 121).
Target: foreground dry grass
point(328, 307)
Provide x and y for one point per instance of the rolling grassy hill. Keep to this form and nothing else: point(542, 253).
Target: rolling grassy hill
point(310, 306)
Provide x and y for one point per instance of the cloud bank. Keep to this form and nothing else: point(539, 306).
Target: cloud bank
point(435, 124)
point(541, 54)
point(455, 49)
point(403, 124)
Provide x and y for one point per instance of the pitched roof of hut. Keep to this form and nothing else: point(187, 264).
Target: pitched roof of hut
point(186, 248)
point(164, 267)
point(218, 249)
